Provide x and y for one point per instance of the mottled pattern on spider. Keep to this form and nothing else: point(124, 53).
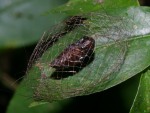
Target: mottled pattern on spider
point(75, 54)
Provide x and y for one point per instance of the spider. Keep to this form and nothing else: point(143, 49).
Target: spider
point(74, 55)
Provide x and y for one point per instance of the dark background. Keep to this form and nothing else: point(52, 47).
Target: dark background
point(118, 99)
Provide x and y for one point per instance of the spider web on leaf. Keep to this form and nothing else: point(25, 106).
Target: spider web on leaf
point(110, 34)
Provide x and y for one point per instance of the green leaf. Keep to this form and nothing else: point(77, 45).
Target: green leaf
point(76, 7)
point(121, 51)
point(23, 98)
point(142, 101)
point(23, 22)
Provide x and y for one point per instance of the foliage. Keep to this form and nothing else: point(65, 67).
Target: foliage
point(122, 50)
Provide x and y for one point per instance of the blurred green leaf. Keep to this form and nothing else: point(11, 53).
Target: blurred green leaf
point(142, 101)
point(23, 23)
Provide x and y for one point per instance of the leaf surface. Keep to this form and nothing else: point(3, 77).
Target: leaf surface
point(121, 51)
point(142, 101)
point(23, 22)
